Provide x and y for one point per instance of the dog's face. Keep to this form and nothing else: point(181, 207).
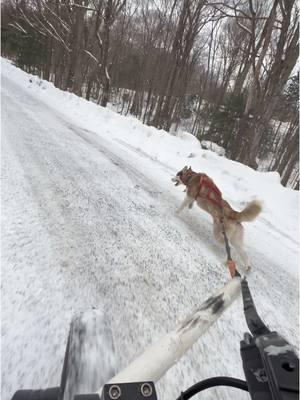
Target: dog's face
point(177, 178)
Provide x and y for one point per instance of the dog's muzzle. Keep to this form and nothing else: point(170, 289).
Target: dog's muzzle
point(177, 180)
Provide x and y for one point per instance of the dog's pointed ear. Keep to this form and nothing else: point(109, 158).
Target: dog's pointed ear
point(185, 169)
point(190, 168)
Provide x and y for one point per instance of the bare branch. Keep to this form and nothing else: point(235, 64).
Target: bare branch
point(31, 24)
point(18, 27)
point(63, 23)
point(244, 27)
point(93, 57)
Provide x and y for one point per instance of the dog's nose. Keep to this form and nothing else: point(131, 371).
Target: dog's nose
point(173, 179)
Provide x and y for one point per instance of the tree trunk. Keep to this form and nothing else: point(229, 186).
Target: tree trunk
point(78, 47)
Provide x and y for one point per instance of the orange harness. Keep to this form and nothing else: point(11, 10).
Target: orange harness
point(212, 188)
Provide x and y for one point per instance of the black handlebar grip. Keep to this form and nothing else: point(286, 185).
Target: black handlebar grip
point(253, 320)
point(47, 394)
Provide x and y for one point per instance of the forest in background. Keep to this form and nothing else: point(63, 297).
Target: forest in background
point(226, 71)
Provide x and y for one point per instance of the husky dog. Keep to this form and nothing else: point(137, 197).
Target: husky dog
point(201, 188)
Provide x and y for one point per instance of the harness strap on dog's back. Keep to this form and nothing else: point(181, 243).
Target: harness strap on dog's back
point(212, 188)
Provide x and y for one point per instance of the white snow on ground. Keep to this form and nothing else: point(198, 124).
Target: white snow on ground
point(88, 220)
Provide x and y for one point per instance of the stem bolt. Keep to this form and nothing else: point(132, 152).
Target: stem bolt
point(146, 390)
point(114, 392)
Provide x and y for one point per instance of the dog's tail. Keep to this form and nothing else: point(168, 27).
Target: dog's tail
point(249, 213)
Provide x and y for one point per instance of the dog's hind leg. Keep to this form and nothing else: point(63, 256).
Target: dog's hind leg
point(237, 241)
point(188, 200)
point(235, 236)
point(218, 232)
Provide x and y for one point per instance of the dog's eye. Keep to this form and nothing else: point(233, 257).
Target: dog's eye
point(179, 173)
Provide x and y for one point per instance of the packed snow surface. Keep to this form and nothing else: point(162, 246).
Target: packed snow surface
point(88, 220)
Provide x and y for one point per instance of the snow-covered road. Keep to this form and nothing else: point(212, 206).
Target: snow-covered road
point(89, 222)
